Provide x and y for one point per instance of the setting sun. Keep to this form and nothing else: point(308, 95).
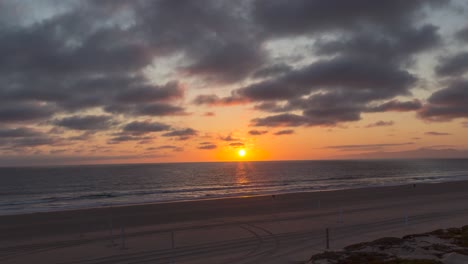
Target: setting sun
point(241, 152)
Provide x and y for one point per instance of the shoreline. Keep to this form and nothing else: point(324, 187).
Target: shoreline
point(233, 196)
point(124, 210)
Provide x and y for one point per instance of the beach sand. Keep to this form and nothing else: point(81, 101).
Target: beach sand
point(287, 228)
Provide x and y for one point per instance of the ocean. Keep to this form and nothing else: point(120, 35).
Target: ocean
point(40, 189)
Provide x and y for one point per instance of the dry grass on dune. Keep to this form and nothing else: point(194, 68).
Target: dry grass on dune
point(443, 246)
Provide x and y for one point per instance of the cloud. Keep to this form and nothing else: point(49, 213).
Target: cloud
point(362, 147)
point(151, 93)
point(83, 136)
point(432, 133)
point(181, 134)
point(284, 132)
point(237, 144)
point(154, 109)
point(228, 62)
point(171, 147)
point(121, 138)
point(229, 138)
point(420, 153)
point(379, 80)
point(257, 132)
point(19, 132)
point(286, 18)
point(83, 67)
point(272, 70)
point(447, 104)
point(281, 120)
point(462, 35)
point(207, 146)
point(15, 139)
point(396, 105)
point(214, 100)
point(24, 112)
point(454, 65)
point(381, 124)
point(88, 122)
point(166, 147)
point(145, 127)
point(209, 114)
point(330, 92)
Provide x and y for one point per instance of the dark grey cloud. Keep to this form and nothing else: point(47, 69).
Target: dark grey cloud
point(395, 46)
point(271, 107)
point(34, 142)
point(154, 109)
point(19, 132)
point(94, 57)
point(207, 146)
point(272, 70)
point(215, 36)
point(433, 133)
point(462, 35)
point(281, 120)
point(214, 100)
point(454, 65)
point(122, 138)
point(371, 78)
point(151, 93)
point(181, 134)
point(257, 132)
point(396, 105)
point(448, 103)
point(352, 77)
point(83, 136)
point(16, 139)
point(24, 112)
point(284, 132)
point(381, 123)
point(167, 147)
point(283, 18)
point(228, 63)
point(138, 127)
point(88, 122)
point(237, 144)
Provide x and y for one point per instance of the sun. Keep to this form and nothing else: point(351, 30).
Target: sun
point(241, 152)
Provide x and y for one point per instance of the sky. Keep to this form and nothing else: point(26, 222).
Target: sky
point(84, 82)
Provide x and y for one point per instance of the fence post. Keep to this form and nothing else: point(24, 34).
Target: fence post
point(327, 232)
point(122, 236)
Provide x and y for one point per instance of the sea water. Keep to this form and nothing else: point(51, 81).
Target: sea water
point(38, 189)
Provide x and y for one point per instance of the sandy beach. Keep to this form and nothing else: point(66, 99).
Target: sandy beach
point(286, 228)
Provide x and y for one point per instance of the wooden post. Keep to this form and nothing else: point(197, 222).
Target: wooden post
point(111, 231)
point(122, 236)
point(327, 232)
point(173, 247)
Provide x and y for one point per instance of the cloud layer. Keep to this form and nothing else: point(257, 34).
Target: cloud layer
point(101, 74)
